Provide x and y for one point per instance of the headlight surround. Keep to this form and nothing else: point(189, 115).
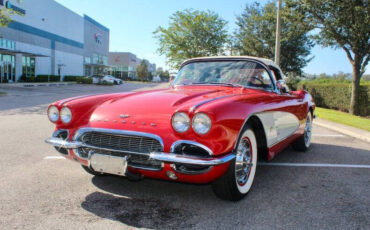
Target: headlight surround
point(201, 123)
point(53, 113)
point(65, 115)
point(180, 122)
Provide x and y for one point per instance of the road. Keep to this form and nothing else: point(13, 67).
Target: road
point(319, 189)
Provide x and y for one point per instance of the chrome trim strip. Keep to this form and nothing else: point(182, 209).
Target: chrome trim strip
point(194, 172)
point(193, 108)
point(115, 131)
point(176, 143)
point(56, 133)
point(191, 160)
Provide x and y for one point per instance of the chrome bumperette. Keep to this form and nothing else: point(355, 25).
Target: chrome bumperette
point(191, 160)
point(60, 143)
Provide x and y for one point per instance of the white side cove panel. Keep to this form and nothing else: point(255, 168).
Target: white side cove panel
point(278, 125)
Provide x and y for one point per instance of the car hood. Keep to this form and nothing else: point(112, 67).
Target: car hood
point(155, 108)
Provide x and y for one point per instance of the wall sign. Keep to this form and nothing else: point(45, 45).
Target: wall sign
point(9, 5)
point(98, 38)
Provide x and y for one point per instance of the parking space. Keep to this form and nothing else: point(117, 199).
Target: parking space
point(319, 189)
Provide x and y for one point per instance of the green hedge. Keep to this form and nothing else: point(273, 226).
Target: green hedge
point(337, 95)
point(46, 78)
point(84, 80)
point(71, 78)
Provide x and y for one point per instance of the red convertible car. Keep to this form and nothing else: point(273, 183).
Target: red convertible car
point(217, 120)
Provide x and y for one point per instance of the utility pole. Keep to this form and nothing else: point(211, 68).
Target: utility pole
point(278, 31)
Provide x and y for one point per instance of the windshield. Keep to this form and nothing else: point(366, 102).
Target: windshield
point(233, 73)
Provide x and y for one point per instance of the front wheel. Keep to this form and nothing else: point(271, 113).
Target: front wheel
point(303, 143)
point(238, 179)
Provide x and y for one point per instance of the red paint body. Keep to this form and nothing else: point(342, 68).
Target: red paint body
point(228, 111)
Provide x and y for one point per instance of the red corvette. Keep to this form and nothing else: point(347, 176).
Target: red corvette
point(220, 116)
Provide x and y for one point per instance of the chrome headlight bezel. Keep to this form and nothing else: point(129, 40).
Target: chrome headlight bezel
point(201, 123)
point(180, 119)
point(66, 115)
point(53, 114)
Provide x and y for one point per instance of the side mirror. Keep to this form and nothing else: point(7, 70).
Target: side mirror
point(282, 86)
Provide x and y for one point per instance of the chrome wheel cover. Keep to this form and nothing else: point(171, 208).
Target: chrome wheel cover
point(308, 130)
point(243, 161)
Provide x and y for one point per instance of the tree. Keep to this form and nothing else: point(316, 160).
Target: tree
point(4, 16)
point(142, 70)
point(191, 33)
point(160, 71)
point(255, 35)
point(344, 24)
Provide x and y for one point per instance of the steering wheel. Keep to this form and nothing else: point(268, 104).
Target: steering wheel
point(256, 78)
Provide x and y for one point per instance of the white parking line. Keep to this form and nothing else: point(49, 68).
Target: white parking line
point(327, 135)
point(54, 158)
point(314, 165)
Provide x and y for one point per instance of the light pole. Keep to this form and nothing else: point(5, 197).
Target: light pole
point(278, 31)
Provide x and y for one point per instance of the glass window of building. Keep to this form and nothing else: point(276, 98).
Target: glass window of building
point(87, 60)
point(28, 66)
point(87, 70)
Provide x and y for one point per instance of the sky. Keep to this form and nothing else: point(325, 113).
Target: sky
point(132, 22)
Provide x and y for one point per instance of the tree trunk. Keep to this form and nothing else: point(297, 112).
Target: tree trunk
point(354, 107)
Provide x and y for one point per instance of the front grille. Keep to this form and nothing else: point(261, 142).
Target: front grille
point(121, 142)
point(122, 145)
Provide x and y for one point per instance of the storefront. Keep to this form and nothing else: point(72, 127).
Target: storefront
point(50, 39)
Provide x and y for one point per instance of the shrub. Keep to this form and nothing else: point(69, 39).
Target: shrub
point(46, 78)
point(337, 95)
point(84, 80)
point(70, 78)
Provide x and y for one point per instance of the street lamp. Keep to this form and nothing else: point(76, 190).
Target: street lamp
point(278, 31)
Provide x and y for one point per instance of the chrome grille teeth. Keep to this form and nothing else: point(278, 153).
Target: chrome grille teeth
point(121, 144)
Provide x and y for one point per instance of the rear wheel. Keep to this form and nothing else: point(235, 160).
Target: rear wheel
point(303, 143)
point(238, 179)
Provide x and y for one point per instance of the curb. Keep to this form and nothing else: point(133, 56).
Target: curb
point(38, 84)
point(347, 130)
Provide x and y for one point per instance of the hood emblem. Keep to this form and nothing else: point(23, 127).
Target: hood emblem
point(123, 116)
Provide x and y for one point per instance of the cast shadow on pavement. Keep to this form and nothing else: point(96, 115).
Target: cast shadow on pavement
point(168, 205)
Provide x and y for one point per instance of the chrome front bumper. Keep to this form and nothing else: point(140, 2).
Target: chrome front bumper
point(159, 156)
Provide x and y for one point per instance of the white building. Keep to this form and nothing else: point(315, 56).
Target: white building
point(123, 65)
point(45, 37)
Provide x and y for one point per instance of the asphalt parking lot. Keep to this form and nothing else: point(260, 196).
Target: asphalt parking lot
point(327, 187)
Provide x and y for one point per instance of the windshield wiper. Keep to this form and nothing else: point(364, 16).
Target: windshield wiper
point(216, 83)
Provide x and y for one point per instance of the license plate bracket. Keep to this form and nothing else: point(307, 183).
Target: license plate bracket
point(108, 164)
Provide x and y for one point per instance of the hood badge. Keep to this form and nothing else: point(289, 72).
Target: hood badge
point(124, 116)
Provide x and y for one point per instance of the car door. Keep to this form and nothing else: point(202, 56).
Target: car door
point(300, 107)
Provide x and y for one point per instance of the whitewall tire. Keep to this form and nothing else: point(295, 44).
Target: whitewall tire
point(238, 180)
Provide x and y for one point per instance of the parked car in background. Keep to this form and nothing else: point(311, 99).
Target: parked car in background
point(96, 78)
point(157, 79)
point(219, 118)
point(111, 79)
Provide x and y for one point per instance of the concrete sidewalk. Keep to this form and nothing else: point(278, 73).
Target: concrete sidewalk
point(345, 129)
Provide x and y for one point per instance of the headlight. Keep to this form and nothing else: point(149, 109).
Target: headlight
point(201, 123)
point(181, 122)
point(65, 115)
point(53, 113)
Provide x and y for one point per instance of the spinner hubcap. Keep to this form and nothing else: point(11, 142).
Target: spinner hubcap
point(243, 161)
